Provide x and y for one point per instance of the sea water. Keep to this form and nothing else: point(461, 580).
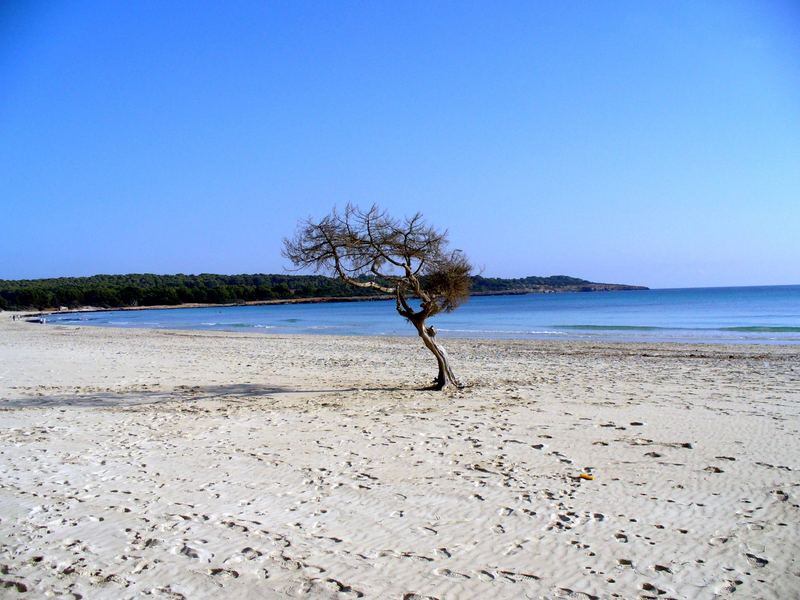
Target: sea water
point(762, 315)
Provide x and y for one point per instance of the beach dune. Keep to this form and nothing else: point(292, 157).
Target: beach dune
point(168, 464)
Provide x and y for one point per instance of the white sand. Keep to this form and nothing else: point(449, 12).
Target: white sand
point(136, 463)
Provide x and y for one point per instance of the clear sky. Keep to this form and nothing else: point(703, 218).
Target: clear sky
point(654, 143)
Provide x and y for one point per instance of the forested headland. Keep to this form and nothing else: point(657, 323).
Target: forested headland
point(137, 290)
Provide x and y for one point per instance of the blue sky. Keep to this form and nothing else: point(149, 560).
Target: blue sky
point(637, 142)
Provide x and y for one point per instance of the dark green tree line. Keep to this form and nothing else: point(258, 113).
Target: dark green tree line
point(144, 289)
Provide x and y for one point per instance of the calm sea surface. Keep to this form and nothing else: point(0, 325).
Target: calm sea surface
point(763, 315)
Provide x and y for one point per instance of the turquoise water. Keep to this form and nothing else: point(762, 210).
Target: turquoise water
point(766, 315)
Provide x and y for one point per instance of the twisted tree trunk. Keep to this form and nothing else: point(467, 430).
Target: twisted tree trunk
point(445, 377)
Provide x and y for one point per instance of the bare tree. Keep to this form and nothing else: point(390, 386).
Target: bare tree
point(405, 258)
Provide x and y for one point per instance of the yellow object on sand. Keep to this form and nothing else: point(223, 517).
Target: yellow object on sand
point(586, 476)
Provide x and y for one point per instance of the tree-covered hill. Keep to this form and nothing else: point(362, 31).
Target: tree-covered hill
point(554, 283)
point(113, 291)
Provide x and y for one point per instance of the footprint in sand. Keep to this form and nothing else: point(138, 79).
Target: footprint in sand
point(515, 577)
point(569, 594)
point(251, 553)
point(189, 551)
point(718, 540)
point(781, 495)
point(224, 573)
point(428, 530)
point(451, 574)
point(18, 586)
point(662, 569)
point(342, 589)
point(625, 562)
point(649, 587)
point(757, 561)
point(728, 586)
point(515, 548)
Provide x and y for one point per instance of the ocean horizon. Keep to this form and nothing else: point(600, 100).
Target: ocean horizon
point(754, 314)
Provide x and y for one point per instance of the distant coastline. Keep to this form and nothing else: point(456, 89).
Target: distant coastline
point(144, 291)
point(323, 300)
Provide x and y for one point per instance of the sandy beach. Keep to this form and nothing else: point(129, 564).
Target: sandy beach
point(167, 464)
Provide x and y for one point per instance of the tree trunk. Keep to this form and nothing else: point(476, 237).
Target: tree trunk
point(445, 376)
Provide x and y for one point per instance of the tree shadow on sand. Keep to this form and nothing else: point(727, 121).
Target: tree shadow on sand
point(111, 399)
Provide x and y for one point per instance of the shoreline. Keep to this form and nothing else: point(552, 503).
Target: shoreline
point(689, 349)
point(29, 318)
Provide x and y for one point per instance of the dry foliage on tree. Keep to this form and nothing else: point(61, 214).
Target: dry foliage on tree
point(402, 257)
